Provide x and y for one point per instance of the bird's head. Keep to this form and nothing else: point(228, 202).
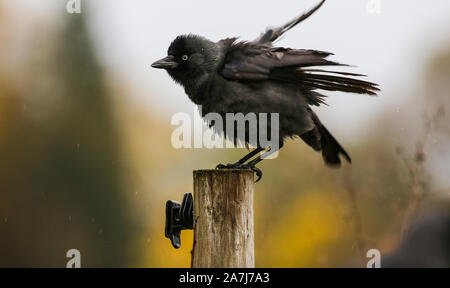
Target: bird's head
point(190, 59)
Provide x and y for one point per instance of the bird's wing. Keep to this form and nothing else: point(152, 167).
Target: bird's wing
point(271, 34)
point(249, 61)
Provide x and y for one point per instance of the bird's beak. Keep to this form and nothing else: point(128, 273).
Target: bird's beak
point(165, 63)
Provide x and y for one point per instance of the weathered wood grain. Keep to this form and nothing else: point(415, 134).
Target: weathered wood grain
point(223, 219)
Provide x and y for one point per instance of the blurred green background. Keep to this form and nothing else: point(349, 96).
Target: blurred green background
point(85, 165)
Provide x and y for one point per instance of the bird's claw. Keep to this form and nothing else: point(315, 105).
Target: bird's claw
point(257, 171)
point(221, 166)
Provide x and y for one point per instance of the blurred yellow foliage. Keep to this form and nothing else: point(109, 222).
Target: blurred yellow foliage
point(312, 222)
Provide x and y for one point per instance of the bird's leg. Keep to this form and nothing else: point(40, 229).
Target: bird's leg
point(251, 164)
point(241, 161)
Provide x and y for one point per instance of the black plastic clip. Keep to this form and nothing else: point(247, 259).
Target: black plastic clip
point(179, 217)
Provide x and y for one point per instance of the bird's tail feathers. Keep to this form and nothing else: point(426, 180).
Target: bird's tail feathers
point(320, 139)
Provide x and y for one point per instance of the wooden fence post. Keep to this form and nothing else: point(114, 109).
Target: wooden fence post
point(223, 219)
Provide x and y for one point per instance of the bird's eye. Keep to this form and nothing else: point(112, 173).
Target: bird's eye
point(184, 57)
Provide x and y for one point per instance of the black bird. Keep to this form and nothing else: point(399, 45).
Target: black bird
point(230, 76)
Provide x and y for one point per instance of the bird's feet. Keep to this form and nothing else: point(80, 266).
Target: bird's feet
point(237, 165)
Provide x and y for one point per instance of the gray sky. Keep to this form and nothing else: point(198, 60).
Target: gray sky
point(391, 47)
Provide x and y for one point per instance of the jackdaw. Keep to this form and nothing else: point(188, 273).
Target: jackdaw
point(231, 76)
